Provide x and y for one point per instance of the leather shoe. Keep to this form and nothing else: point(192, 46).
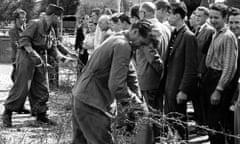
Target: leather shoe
point(24, 111)
point(7, 118)
point(44, 119)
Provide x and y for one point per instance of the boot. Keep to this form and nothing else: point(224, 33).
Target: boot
point(24, 111)
point(7, 118)
point(42, 118)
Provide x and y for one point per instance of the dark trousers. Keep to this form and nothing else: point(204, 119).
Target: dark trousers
point(90, 125)
point(155, 100)
point(199, 102)
point(29, 81)
point(13, 72)
point(218, 116)
point(179, 112)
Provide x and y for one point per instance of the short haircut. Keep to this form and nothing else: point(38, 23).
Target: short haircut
point(134, 11)
point(144, 27)
point(107, 11)
point(115, 18)
point(179, 8)
point(162, 4)
point(149, 7)
point(233, 11)
point(104, 18)
point(97, 11)
point(204, 10)
point(222, 8)
point(124, 18)
point(17, 12)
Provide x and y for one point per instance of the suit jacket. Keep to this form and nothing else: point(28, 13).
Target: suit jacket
point(204, 39)
point(181, 65)
point(104, 80)
point(149, 62)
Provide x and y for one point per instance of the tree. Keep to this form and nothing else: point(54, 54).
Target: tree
point(8, 6)
point(70, 8)
point(233, 3)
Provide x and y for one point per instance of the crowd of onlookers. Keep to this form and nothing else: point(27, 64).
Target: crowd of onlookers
point(196, 59)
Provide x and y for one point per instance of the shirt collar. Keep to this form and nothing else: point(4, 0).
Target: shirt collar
point(202, 26)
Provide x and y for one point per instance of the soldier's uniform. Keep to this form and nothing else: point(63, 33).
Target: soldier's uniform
point(31, 79)
point(14, 34)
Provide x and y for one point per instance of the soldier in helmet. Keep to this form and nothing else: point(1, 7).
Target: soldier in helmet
point(31, 73)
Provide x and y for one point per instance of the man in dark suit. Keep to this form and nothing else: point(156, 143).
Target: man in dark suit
point(181, 64)
point(204, 36)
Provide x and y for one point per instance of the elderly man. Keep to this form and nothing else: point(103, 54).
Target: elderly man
point(31, 69)
point(104, 82)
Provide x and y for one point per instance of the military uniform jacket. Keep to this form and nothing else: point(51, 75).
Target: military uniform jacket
point(104, 80)
point(37, 35)
point(14, 35)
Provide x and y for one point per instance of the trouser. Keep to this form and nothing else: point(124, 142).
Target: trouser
point(90, 125)
point(219, 116)
point(154, 99)
point(199, 104)
point(237, 123)
point(30, 81)
point(13, 72)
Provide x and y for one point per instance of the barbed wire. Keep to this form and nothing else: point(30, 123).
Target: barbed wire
point(151, 117)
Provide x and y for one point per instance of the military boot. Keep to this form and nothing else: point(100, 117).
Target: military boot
point(42, 118)
point(7, 118)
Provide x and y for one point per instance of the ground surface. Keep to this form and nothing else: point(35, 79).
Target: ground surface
point(27, 131)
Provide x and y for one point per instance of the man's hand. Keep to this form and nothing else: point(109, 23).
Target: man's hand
point(73, 55)
point(215, 97)
point(181, 97)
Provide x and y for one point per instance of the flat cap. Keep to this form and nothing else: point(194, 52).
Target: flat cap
point(54, 9)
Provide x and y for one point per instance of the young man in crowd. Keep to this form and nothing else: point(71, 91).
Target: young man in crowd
point(134, 13)
point(180, 64)
point(163, 11)
point(104, 82)
point(149, 61)
point(204, 37)
point(221, 63)
point(234, 25)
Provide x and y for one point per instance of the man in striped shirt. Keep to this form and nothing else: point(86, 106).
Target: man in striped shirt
point(221, 62)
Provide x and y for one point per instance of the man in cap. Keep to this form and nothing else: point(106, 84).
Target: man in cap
point(31, 72)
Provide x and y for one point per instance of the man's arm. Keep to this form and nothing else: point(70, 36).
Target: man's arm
point(119, 71)
point(153, 58)
point(230, 62)
point(25, 42)
point(189, 78)
point(132, 81)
